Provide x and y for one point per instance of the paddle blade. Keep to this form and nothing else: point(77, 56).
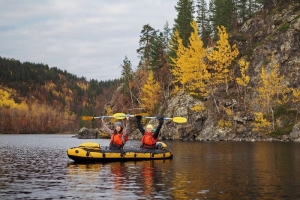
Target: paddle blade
point(179, 119)
point(119, 116)
point(85, 118)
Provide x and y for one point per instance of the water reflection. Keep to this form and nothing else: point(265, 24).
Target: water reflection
point(135, 179)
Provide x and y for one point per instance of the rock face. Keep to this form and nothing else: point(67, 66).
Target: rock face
point(295, 134)
point(259, 38)
point(85, 133)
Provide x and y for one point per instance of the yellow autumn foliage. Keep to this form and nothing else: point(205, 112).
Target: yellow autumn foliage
point(189, 68)
point(150, 94)
point(261, 125)
point(272, 91)
point(198, 108)
point(296, 98)
point(6, 100)
point(296, 95)
point(244, 80)
point(221, 58)
point(83, 85)
point(224, 123)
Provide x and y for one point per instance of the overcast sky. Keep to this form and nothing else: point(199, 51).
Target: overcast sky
point(87, 38)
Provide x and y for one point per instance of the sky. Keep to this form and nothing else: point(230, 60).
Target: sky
point(88, 38)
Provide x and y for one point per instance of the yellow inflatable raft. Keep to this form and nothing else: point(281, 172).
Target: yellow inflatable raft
point(92, 152)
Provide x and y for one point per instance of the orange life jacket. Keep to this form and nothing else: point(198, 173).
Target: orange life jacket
point(148, 140)
point(116, 139)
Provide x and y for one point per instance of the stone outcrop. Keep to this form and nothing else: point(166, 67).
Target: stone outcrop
point(261, 36)
point(85, 133)
point(295, 134)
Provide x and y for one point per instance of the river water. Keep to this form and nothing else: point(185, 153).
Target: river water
point(37, 167)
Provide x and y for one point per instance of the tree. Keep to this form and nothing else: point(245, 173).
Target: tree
point(244, 79)
point(220, 59)
point(6, 100)
point(179, 51)
point(261, 124)
point(203, 21)
point(159, 61)
point(127, 78)
point(190, 69)
point(150, 94)
point(272, 90)
point(222, 14)
point(185, 9)
point(167, 36)
point(147, 35)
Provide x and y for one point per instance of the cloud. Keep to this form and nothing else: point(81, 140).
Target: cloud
point(86, 38)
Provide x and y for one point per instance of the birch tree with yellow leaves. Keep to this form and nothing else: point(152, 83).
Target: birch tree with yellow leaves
point(189, 68)
point(272, 90)
point(244, 79)
point(150, 94)
point(221, 58)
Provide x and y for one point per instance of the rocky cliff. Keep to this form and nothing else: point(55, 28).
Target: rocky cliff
point(274, 33)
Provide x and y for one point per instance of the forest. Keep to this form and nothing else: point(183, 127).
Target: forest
point(197, 56)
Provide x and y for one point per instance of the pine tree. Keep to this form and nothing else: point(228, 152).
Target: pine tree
point(185, 9)
point(242, 11)
point(146, 37)
point(159, 61)
point(222, 14)
point(203, 21)
point(158, 57)
point(127, 78)
point(167, 33)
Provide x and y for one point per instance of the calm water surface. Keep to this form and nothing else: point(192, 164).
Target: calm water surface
point(37, 167)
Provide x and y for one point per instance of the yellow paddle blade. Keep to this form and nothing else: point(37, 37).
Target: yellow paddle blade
point(85, 118)
point(179, 119)
point(119, 116)
point(116, 116)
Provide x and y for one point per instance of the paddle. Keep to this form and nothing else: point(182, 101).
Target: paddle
point(116, 116)
point(174, 119)
point(123, 115)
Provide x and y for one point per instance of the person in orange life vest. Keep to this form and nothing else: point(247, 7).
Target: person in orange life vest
point(149, 138)
point(119, 135)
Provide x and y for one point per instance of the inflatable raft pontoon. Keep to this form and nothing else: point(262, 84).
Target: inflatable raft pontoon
point(92, 152)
